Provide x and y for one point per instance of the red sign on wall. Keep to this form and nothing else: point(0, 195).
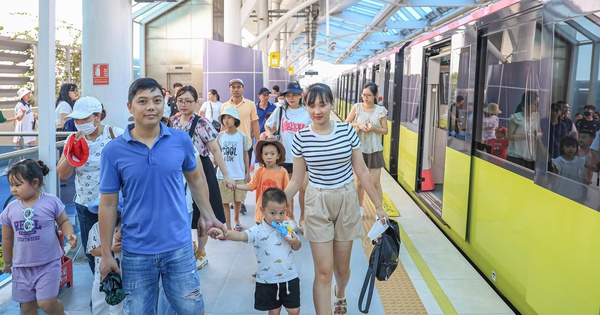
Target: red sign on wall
point(100, 73)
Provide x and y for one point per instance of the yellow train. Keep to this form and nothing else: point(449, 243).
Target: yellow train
point(527, 223)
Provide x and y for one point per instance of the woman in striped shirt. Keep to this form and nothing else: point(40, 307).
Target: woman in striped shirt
point(330, 150)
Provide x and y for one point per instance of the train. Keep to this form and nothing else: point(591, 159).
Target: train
point(534, 234)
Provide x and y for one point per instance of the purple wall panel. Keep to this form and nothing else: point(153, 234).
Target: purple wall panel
point(224, 61)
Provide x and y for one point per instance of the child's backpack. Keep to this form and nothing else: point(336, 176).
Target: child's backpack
point(382, 263)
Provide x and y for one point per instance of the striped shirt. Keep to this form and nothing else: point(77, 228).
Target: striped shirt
point(328, 157)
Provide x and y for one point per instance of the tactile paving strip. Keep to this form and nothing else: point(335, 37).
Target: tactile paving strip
point(398, 295)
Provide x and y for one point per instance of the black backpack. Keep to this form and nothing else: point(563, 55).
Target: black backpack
point(382, 263)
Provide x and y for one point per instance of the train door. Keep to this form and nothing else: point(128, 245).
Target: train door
point(431, 157)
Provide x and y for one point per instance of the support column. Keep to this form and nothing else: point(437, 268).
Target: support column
point(277, 42)
point(45, 91)
point(232, 28)
point(262, 13)
point(107, 39)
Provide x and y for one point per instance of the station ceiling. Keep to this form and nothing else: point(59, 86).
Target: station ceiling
point(352, 32)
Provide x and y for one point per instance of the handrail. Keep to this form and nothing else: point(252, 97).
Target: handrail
point(12, 133)
point(21, 152)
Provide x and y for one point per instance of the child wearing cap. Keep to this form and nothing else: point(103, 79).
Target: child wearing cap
point(234, 146)
point(93, 247)
point(270, 154)
point(499, 145)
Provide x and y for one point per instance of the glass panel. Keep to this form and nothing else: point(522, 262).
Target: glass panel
point(460, 112)
point(510, 126)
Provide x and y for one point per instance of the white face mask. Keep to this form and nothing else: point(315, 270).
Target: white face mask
point(87, 128)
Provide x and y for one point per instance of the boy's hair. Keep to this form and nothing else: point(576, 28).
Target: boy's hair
point(592, 107)
point(143, 84)
point(28, 170)
point(588, 132)
point(273, 194)
point(568, 141)
point(177, 84)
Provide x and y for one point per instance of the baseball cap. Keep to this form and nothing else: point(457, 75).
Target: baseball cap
point(293, 87)
point(77, 152)
point(263, 90)
point(501, 130)
point(85, 107)
point(236, 81)
point(22, 92)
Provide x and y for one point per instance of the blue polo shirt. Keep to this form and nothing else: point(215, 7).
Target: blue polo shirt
point(262, 114)
point(155, 217)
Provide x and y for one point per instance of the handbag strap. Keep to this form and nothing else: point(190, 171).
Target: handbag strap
point(280, 117)
point(369, 280)
point(193, 126)
point(212, 113)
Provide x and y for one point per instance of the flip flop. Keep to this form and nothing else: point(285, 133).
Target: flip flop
point(238, 227)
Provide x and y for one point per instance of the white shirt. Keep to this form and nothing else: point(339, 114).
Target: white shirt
point(209, 108)
point(233, 147)
point(62, 108)
point(25, 124)
point(292, 120)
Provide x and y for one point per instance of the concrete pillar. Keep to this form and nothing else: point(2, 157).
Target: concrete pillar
point(262, 13)
point(44, 93)
point(283, 39)
point(275, 6)
point(232, 28)
point(107, 39)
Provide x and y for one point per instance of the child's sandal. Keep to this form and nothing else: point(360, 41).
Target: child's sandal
point(340, 307)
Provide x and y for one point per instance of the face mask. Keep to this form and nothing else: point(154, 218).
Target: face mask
point(587, 114)
point(87, 128)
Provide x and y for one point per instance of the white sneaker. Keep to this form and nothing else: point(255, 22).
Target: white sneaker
point(362, 212)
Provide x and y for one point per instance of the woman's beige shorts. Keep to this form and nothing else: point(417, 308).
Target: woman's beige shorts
point(227, 194)
point(332, 214)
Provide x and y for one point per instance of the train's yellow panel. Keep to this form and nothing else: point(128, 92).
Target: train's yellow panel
point(387, 139)
point(456, 191)
point(407, 158)
point(526, 235)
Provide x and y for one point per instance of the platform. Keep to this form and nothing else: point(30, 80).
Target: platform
point(434, 277)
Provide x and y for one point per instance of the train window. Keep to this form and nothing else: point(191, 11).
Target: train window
point(510, 125)
point(460, 112)
point(575, 91)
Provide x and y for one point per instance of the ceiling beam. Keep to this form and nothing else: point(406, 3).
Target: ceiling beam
point(440, 3)
point(353, 17)
point(246, 9)
point(405, 24)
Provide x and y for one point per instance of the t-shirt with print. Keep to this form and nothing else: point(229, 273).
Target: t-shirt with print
point(26, 123)
point(232, 148)
point(39, 246)
point(88, 175)
point(275, 256)
point(328, 157)
point(205, 132)
point(247, 111)
point(264, 179)
point(292, 120)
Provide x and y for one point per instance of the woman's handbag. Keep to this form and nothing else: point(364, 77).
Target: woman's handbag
point(382, 263)
point(215, 123)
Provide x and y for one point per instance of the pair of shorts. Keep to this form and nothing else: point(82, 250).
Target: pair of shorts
point(228, 196)
point(272, 296)
point(374, 160)
point(36, 283)
point(332, 214)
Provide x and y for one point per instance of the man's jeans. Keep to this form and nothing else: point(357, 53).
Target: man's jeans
point(180, 281)
point(86, 221)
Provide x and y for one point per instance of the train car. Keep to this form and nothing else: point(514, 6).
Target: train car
point(503, 195)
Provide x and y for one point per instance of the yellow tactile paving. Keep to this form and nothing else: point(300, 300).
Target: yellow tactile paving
point(398, 295)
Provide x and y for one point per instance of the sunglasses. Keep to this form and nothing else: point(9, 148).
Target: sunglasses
point(28, 216)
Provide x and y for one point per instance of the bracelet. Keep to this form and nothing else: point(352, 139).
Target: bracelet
point(7, 264)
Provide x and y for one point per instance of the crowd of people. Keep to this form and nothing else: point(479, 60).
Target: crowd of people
point(572, 146)
point(178, 166)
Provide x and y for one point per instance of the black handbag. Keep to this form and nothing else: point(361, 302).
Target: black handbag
point(215, 122)
point(382, 263)
point(277, 134)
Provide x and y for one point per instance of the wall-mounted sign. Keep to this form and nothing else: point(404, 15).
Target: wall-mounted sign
point(100, 74)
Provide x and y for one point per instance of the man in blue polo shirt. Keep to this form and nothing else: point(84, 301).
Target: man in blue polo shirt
point(146, 163)
point(263, 107)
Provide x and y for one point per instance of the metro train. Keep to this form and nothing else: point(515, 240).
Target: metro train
point(533, 233)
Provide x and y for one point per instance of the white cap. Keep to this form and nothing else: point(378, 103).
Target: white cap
point(22, 92)
point(85, 107)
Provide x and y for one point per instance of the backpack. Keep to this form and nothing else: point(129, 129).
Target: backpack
point(382, 263)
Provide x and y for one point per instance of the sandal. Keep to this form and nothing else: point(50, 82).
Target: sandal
point(238, 227)
point(340, 307)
